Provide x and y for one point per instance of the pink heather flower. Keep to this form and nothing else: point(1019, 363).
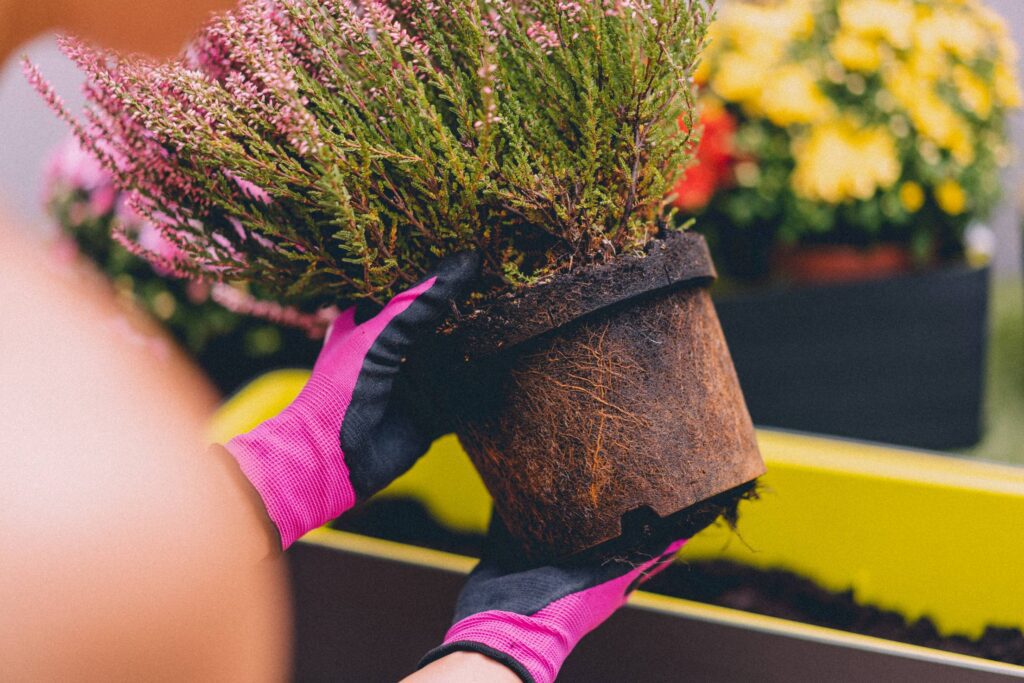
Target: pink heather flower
point(250, 190)
point(243, 235)
point(163, 266)
point(45, 89)
point(127, 215)
point(75, 168)
point(571, 9)
point(72, 169)
point(152, 240)
point(146, 239)
point(309, 113)
point(544, 36)
point(241, 302)
point(103, 199)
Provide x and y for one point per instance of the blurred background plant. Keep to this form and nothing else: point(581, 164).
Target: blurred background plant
point(851, 155)
point(876, 124)
point(231, 347)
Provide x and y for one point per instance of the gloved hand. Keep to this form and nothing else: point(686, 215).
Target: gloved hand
point(530, 619)
point(356, 425)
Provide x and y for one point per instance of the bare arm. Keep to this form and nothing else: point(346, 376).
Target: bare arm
point(464, 667)
point(131, 552)
point(133, 547)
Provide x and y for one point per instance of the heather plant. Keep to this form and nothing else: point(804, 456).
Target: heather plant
point(327, 151)
point(210, 321)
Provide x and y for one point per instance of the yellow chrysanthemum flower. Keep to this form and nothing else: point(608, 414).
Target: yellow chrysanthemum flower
point(937, 121)
point(1007, 90)
point(855, 52)
point(933, 118)
point(890, 20)
point(748, 41)
point(911, 196)
point(974, 92)
point(951, 197)
point(992, 22)
point(746, 23)
point(841, 160)
point(794, 97)
point(739, 77)
point(1006, 48)
point(933, 58)
point(949, 30)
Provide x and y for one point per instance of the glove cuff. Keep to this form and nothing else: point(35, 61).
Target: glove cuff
point(472, 646)
point(534, 648)
point(295, 463)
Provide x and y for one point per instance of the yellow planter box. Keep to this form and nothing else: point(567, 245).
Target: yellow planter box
point(914, 532)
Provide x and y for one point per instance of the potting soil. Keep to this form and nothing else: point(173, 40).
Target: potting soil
point(774, 592)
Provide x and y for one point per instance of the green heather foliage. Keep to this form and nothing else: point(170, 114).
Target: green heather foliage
point(232, 337)
point(328, 151)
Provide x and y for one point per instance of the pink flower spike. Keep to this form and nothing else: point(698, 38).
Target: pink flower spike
point(102, 200)
point(243, 303)
point(544, 36)
point(42, 86)
point(250, 190)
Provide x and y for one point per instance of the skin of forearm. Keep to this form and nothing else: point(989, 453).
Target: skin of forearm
point(133, 547)
point(464, 667)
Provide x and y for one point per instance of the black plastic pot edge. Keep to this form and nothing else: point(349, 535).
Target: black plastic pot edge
point(678, 260)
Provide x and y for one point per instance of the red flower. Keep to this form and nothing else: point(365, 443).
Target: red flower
point(714, 161)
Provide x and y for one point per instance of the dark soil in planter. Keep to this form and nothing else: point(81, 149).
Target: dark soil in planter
point(774, 593)
point(603, 402)
point(783, 594)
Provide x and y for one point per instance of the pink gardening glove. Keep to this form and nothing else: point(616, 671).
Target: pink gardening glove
point(356, 425)
point(530, 619)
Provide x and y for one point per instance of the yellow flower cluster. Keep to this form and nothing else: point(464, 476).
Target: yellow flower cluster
point(889, 21)
point(749, 44)
point(941, 67)
point(933, 117)
point(794, 97)
point(841, 160)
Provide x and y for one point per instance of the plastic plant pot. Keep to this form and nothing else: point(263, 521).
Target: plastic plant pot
point(602, 406)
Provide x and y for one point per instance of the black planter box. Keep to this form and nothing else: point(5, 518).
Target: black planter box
point(897, 360)
point(367, 610)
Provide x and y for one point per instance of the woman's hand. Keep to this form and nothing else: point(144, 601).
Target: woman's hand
point(355, 426)
point(531, 618)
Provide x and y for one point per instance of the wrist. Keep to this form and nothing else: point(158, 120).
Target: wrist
point(468, 665)
point(454, 652)
point(533, 647)
point(250, 498)
point(295, 463)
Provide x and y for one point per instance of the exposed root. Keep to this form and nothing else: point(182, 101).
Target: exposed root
point(635, 408)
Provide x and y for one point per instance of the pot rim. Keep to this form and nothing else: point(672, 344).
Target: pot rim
point(672, 262)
